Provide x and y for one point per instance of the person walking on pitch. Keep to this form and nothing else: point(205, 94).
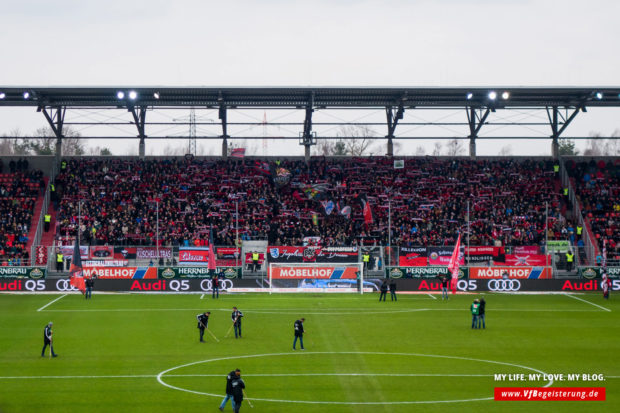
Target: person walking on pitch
point(233, 375)
point(203, 323)
point(299, 333)
point(238, 387)
point(236, 319)
point(48, 340)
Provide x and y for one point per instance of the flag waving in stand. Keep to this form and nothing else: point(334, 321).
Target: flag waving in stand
point(211, 265)
point(453, 266)
point(76, 271)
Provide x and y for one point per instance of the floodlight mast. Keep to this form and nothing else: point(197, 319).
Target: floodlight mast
point(307, 138)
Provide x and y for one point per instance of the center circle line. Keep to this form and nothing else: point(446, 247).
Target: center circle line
point(162, 382)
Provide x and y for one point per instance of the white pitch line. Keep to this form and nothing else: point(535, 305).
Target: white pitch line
point(81, 377)
point(432, 296)
point(202, 296)
point(52, 302)
point(360, 311)
point(146, 376)
point(586, 301)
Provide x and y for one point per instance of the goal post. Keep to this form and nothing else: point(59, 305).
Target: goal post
point(316, 277)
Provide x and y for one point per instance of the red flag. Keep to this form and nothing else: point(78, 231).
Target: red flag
point(368, 219)
point(211, 265)
point(76, 271)
point(453, 266)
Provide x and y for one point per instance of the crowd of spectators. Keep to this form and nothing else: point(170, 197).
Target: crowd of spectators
point(123, 201)
point(18, 193)
point(597, 187)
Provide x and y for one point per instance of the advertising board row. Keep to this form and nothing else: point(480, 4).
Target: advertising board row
point(133, 273)
point(175, 285)
point(476, 273)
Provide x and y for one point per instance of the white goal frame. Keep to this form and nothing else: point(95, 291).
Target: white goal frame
point(358, 285)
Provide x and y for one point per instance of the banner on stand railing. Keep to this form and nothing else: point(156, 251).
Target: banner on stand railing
point(597, 272)
point(22, 272)
point(197, 272)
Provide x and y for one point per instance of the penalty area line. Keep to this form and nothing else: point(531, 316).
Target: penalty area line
point(52, 302)
point(586, 301)
point(432, 296)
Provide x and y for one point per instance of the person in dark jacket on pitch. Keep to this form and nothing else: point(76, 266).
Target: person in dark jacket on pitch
point(444, 287)
point(233, 375)
point(299, 332)
point(393, 290)
point(236, 319)
point(238, 386)
point(47, 340)
point(481, 313)
point(383, 289)
point(215, 284)
point(203, 323)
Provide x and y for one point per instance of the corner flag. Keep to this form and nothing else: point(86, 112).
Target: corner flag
point(76, 270)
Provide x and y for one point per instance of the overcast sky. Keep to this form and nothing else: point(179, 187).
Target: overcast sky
point(311, 43)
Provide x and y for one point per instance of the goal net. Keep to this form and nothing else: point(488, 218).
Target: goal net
point(316, 277)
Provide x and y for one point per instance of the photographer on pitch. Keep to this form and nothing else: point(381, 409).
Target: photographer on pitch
point(299, 332)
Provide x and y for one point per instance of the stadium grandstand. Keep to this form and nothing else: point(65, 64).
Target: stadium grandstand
point(388, 204)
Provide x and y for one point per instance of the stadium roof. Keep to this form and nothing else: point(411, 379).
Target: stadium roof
point(318, 97)
point(561, 104)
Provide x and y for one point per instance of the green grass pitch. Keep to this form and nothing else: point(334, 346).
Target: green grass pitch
point(361, 355)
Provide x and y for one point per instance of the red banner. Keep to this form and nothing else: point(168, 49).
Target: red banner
point(227, 256)
point(194, 255)
point(486, 273)
point(122, 272)
point(67, 251)
point(527, 259)
point(413, 257)
point(293, 272)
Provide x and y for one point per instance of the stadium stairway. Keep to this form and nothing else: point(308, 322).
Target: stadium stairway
point(47, 237)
